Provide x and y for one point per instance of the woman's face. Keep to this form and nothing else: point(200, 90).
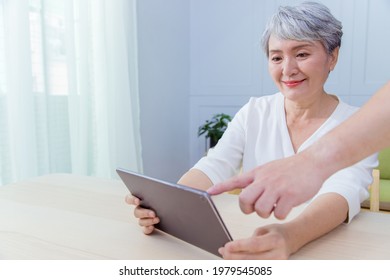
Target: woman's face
point(300, 68)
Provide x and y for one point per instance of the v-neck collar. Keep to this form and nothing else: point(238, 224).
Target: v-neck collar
point(306, 143)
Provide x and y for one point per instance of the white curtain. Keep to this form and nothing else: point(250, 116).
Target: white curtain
point(68, 88)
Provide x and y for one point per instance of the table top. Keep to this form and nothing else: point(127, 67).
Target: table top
point(64, 216)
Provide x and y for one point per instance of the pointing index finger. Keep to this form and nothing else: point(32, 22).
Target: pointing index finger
point(237, 182)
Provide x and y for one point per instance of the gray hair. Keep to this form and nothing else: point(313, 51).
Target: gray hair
point(308, 21)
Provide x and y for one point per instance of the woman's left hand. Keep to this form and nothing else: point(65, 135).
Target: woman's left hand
point(267, 243)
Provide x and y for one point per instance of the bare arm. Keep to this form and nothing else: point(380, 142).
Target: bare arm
point(269, 187)
point(363, 134)
point(196, 179)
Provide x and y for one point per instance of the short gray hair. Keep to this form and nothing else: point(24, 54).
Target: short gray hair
point(308, 21)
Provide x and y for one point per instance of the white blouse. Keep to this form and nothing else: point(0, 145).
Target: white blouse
point(258, 134)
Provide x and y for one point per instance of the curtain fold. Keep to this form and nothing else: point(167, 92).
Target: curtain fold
point(69, 92)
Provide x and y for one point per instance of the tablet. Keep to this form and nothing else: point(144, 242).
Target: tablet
point(186, 213)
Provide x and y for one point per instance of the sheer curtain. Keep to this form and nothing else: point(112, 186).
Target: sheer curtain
point(68, 88)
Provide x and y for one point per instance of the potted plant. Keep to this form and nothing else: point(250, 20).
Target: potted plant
point(214, 128)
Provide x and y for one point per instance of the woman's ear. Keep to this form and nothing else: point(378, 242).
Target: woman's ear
point(333, 58)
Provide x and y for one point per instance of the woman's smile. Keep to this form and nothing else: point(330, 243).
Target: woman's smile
point(293, 83)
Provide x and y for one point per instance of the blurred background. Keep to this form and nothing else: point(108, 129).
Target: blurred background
point(87, 86)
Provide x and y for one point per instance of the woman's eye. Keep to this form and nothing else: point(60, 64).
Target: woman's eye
point(302, 55)
point(276, 58)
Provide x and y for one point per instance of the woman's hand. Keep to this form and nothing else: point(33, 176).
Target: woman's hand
point(146, 218)
point(267, 243)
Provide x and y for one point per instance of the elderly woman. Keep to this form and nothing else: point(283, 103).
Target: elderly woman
point(302, 45)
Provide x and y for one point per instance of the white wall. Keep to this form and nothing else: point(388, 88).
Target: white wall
point(163, 47)
point(201, 57)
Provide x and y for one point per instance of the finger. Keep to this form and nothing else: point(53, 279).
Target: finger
point(249, 245)
point(267, 255)
point(147, 222)
point(248, 198)
point(148, 230)
point(142, 213)
point(237, 182)
point(283, 208)
point(132, 200)
point(226, 255)
point(221, 251)
point(265, 204)
point(245, 249)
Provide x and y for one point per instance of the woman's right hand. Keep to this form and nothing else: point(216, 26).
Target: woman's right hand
point(146, 218)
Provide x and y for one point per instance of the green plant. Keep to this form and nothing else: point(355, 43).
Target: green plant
point(214, 128)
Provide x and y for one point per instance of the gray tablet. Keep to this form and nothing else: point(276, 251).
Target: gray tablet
point(186, 213)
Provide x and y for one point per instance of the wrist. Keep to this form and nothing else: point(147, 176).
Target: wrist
point(293, 237)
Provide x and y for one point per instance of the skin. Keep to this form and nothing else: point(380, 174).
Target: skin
point(308, 170)
point(299, 69)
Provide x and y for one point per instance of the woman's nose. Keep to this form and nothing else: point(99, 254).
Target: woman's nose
point(289, 67)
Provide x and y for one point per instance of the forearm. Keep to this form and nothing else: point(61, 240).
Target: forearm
point(365, 133)
point(323, 215)
point(196, 179)
point(370, 125)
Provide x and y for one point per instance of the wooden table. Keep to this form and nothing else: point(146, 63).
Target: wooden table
point(63, 216)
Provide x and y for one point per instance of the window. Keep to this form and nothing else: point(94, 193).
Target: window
point(57, 103)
